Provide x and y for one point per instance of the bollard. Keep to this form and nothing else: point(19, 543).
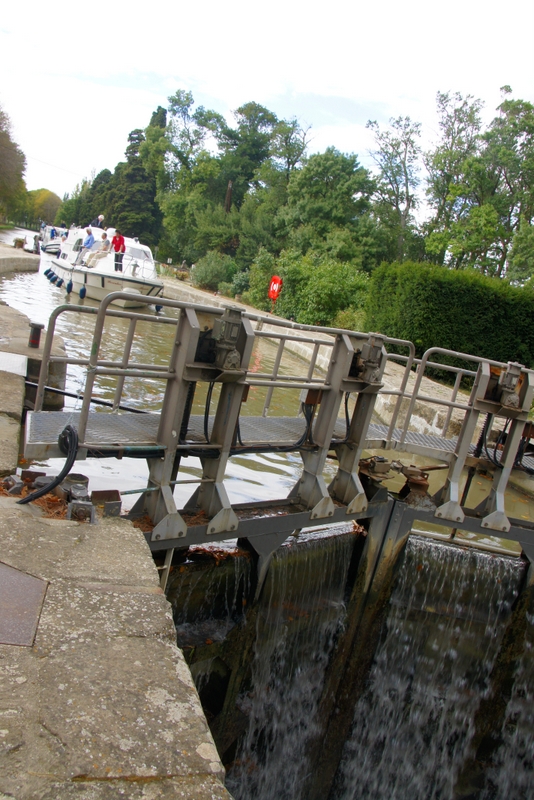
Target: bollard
point(35, 334)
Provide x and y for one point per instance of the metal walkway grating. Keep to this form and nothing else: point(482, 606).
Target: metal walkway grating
point(114, 430)
point(111, 430)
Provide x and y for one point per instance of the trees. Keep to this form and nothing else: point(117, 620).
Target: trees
point(244, 186)
point(42, 205)
point(481, 186)
point(130, 195)
point(289, 142)
point(12, 168)
point(225, 200)
point(397, 159)
point(328, 202)
point(460, 124)
point(76, 207)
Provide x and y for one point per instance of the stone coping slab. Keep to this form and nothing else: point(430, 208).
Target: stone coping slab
point(103, 704)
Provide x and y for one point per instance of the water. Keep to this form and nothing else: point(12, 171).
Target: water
point(449, 672)
point(8, 236)
point(511, 774)
point(302, 609)
point(414, 723)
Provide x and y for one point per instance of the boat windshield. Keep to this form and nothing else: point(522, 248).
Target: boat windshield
point(137, 252)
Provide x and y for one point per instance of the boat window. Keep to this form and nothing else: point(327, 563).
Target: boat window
point(137, 252)
point(78, 244)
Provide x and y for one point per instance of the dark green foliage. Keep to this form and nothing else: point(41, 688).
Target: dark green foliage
point(457, 310)
point(241, 282)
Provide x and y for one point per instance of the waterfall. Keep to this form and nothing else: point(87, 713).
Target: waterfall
point(207, 599)
point(511, 774)
point(302, 609)
point(415, 720)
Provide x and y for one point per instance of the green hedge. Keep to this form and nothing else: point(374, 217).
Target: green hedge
point(433, 306)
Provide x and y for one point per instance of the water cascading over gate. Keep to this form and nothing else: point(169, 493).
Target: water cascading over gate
point(300, 614)
point(438, 646)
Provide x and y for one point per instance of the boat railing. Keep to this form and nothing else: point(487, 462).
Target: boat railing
point(138, 267)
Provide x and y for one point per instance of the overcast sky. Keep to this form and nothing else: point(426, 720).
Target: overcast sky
point(77, 78)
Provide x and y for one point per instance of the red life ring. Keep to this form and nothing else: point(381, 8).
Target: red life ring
point(275, 287)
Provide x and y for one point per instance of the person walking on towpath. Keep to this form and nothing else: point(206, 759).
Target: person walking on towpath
point(97, 223)
point(119, 247)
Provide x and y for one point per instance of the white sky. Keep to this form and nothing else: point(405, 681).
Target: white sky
point(77, 78)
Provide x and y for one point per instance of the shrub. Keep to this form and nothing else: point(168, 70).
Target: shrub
point(465, 311)
point(226, 289)
point(241, 282)
point(351, 319)
point(213, 269)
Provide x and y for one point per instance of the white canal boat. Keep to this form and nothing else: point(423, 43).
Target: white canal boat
point(50, 238)
point(89, 276)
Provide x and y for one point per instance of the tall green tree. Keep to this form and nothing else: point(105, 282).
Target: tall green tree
point(326, 202)
point(75, 208)
point(397, 158)
point(131, 196)
point(460, 125)
point(289, 142)
point(12, 168)
point(42, 205)
point(154, 149)
point(491, 200)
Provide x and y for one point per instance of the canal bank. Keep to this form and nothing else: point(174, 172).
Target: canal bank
point(96, 700)
point(15, 260)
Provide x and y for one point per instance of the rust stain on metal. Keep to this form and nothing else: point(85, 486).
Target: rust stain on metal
point(21, 600)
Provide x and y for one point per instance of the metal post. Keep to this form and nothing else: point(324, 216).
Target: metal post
point(124, 363)
point(160, 505)
point(211, 495)
point(311, 488)
point(276, 367)
point(449, 495)
point(496, 519)
point(346, 486)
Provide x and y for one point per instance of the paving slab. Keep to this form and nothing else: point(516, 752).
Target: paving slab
point(12, 391)
point(164, 789)
point(9, 444)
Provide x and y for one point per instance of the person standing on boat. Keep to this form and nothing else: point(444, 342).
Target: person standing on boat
point(102, 251)
point(86, 247)
point(119, 247)
point(97, 223)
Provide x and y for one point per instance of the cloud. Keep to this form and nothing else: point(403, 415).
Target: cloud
point(75, 84)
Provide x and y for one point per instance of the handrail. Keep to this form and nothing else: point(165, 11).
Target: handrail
point(282, 331)
point(425, 361)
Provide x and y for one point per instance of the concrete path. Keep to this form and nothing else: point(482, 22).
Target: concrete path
point(102, 705)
